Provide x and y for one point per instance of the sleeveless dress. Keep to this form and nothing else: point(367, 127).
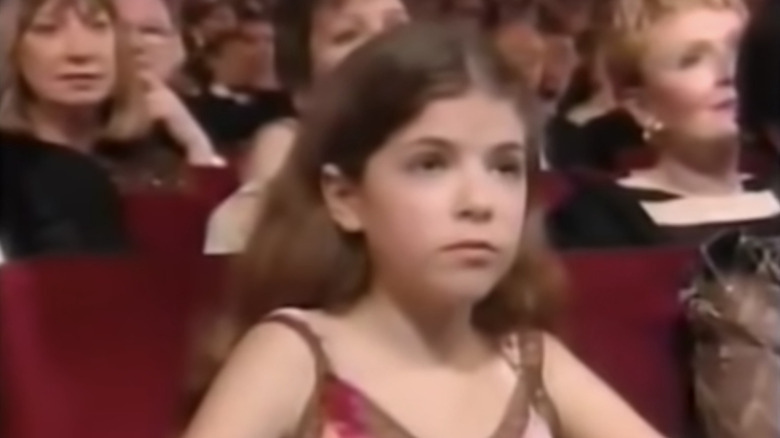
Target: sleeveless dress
point(338, 409)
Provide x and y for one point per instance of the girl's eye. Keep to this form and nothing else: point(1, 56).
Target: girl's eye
point(100, 23)
point(428, 163)
point(153, 31)
point(690, 60)
point(43, 28)
point(512, 167)
point(345, 36)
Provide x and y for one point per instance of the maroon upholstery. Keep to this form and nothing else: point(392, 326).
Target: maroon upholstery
point(91, 348)
point(636, 158)
point(625, 323)
point(172, 223)
point(214, 184)
point(554, 188)
point(166, 223)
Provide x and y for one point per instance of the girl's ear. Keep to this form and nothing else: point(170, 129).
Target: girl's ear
point(341, 199)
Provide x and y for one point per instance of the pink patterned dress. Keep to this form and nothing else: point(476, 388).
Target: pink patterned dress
point(340, 410)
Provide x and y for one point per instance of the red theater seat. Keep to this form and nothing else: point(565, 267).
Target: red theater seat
point(636, 158)
point(91, 348)
point(625, 322)
point(173, 223)
point(213, 184)
point(166, 223)
point(555, 187)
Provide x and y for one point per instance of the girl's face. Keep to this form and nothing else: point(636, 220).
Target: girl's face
point(442, 204)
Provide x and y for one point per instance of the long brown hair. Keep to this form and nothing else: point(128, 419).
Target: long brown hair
point(297, 256)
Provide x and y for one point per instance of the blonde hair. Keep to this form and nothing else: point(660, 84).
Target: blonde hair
point(125, 112)
point(622, 39)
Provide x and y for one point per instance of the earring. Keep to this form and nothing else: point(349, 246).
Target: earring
point(653, 127)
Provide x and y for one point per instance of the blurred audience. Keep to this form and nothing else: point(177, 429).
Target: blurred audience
point(159, 52)
point(524, 48)
point(232, 107)
point(312, 37)
point(590, 129)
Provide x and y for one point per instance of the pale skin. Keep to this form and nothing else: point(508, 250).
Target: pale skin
point(60, 42)
point(159, 52)
point(409, 344)
point(688, 99)
point(689, 93)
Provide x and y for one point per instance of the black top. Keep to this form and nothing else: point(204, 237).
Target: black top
point(55, 200)
point(231, 118)
point(596, 145)
point(603, 214)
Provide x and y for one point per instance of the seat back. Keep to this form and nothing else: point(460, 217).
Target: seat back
point(173, 222)
point(625, 322)
point(166, 223)
point(212, 185)
point(91, 348)
point(554, 189)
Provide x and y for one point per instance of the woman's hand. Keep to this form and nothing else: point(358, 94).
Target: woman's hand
point(166, 108)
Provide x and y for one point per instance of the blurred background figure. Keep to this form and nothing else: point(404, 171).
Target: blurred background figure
point(160, 53)
point(523, 46)
point(241, 95)
point(312, 38)
point(205, 19)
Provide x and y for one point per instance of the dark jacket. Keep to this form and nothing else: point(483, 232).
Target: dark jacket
point(56, 200)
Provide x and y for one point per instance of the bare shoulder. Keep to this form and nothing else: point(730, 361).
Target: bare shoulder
point(587, 406)
point(561, 367)
point(263, 389)
point(554, 348)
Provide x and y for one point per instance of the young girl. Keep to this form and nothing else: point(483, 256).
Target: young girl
point(402, 243)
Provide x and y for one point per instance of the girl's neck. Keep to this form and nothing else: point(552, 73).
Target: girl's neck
point(76, 128)
point(431, 336)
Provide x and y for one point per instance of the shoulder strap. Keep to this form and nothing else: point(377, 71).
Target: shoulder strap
point(307, 334)
point(312, 424)
point(532, 348)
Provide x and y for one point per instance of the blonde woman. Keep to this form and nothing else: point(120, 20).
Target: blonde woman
point(69, 105)
point(671, 63)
